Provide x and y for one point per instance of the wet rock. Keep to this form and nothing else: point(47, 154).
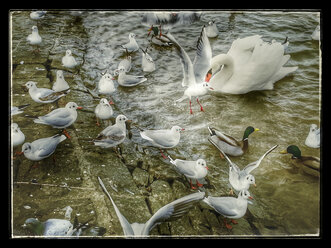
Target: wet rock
point(140, 177)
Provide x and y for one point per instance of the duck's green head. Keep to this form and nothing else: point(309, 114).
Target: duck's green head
point(34, 225)
point(154, 29)
point(248, 131)
point(294, 150)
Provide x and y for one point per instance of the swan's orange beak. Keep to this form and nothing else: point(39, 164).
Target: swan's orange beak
point(208, 76)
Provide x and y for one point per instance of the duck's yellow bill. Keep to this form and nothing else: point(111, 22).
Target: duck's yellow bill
point(283, 152)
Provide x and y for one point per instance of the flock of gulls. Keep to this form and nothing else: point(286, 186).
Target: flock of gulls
point(250, 64)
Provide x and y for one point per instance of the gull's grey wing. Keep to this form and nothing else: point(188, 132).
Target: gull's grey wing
point(223, 205)
point(185, 167)
point(254, 165)
point(188, 71)
point(130, 80)
point(126, 226)
point(161, 137)
point(46, 146)
point(58, 117)
point(172, 211)
point(202, 60)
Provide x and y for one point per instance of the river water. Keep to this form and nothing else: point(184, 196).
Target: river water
point(287, 200)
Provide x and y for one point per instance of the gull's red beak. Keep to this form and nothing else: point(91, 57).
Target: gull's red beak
point(251, 198)
point(207, 168)
point(111, 102)
point(211, 88)
point(183, 129)
point(254, 184)
point(79, 107)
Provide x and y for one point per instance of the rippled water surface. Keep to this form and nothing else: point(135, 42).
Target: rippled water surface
point(286, 200)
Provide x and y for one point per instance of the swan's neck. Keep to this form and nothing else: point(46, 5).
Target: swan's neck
point(224, 73)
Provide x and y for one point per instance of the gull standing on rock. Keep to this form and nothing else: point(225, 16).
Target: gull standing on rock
point(171, 211)
point(147, 62)
point(68, 60)
point(34, 38)
point(195, 73)
point(163, 138)
point(17, 136)
point(103, 110)
point(106, 85)
point(44, 95)
point(230, 207)
point(60, 84)
point(112, 135)
point(60, 117)
point(242, 179)
point(196, 170)
point(42, 148)
point(313, 138)
point(128, 80)
point(132, 45)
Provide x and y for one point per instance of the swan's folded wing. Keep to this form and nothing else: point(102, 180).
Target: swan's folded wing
point(188, 71)
point(256, 164)
point(202, 60)
point(127, 229)
point(173, 210)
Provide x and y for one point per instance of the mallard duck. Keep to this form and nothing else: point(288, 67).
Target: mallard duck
point(309, 164)
point(228, 144)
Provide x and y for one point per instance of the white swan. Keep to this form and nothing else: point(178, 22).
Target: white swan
point(250, 64)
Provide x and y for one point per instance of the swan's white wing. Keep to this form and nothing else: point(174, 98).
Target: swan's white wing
point(172, 211)
point(256, 164)
point(127, 229)
point(202, 60)
point(188, 71)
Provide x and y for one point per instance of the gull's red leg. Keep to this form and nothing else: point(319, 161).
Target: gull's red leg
point(201, 108)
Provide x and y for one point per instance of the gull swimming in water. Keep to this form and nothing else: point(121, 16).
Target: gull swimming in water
point(103, 110)
point(44, 95)
point(163, 138)
point(230, 207)
point(34, 38)
point(60, 84)
point(112, 135)
point(212, 30)
point(42, 148)
point(68, 60)
point(196, 170)
point(128, 80)
point(195, 73)
point(132, 45)
point(60, 117)
point(313, 138)
point(171, 211)
point(147, 62)
point(126, 63)
point(242, 179)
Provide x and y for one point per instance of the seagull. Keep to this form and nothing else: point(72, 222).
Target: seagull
point(36, 15)
point(212, 30)
point(126, 63)
point(169, 212)
point(147, 62)
point(42, 148)
point(242, 179)
point(103, 110)
point(195, 74)
point(34, 38)
point(132, 45)
point(168, 20)
point(230, 207)
point(60, 84)
point(112, 135)
point(60, 117)
point(128, 80)
point(106, 85)
point(163, 138)
point(44, 95)
point(68, 60)
point(313, 138)
point(191, 169)
point(51, 227)
point(17, 136)
point(18, 110)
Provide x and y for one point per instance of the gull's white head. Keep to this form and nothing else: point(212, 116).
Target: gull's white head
point(30, 84)
point(250, 179)
point(72, 105)
point(59, 74)
point(202, 162)
point(132, 35)
point(104, 101)
point(14, 127)
point(121, 119)
point(68, 52)
point(121, 69)
point(313, 128)
point(177, 129)
point(34, 29)
point(107, 76)
point(26, 147)
point(245, 194)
